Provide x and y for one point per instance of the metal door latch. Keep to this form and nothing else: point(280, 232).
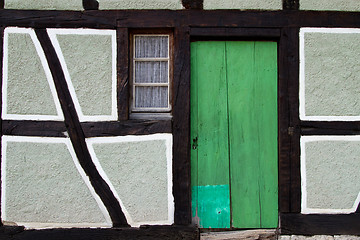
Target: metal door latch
point(195, 143)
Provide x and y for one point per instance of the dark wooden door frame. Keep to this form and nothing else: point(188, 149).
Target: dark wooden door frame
point(286, 53)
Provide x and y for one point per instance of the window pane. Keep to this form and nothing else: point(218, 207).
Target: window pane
point(151, 46)
point(151, 97)
point(151, 72)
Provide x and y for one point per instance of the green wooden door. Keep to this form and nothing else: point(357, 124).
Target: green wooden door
point(234, 134)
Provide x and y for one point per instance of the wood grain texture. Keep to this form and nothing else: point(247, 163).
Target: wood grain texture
point(320, 224)
point(267, 130)
point(123, 128)
point(90, 129)
point(212, 114)
point(208, 74)
point(167, 18)
point(330, 128)
point(235, 32)
point(76, 133)
point(181, 126)
point(283, 121)
point(244, 136)
point(234, 118)
point(194, 132)
point(34, 128)
point(294, 121)
point(252, 97)
point(142, 233)
point(123, 73)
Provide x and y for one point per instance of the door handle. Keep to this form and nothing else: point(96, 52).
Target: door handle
point(195, 143)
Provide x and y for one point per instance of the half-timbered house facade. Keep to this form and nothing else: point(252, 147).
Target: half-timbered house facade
point(154, 119)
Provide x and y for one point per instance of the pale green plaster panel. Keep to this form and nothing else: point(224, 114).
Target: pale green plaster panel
point(44, 4)
point(89, 62)
point(243, 4)
point(332, 174)
point(332, 74)
point(138, 172)
point(43, 185)
point(140, 4)
point(330, 5)
point(28, 90)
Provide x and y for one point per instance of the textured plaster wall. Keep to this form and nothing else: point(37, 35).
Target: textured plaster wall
point(44, 4)
point(89, 62)
point(140, 4)
point(138, 170)
point(332, 74)
point(42, 185)
point(243, 4)
point(330, 5)
point(332, 173)
point(28, 90)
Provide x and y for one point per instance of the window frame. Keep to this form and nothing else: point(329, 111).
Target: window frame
point(151, 112)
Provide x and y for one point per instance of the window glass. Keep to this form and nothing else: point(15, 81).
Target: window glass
point(151, 73)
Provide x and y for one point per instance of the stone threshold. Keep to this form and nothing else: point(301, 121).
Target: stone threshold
point(258, 234)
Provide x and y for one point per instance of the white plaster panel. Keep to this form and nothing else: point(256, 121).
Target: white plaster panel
point(330, 5)
point(140, 4)
point(44, 186)
point(28, 89)
point(243, 4)
point(88, 59)
point(330, 176)
point(139, 171)
point(329, 74)
point(44, 4)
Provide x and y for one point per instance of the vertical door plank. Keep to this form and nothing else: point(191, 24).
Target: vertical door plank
point(252, 76)
point(244, 135)
point(194, 132)
point(213, 203)
point(266, 78)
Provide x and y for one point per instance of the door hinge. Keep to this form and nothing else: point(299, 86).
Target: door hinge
point(291, 131)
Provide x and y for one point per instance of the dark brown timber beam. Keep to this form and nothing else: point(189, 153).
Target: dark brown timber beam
point(90, 129)
point(110, 19)
point(320, 224)
point(181, 127)
point(330, 128)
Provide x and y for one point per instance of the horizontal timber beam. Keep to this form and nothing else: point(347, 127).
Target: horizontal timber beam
point(330, 128)
point(110, 19)
point(91, 129)
point(235, 32)
point(142, 233)
point(320, 224)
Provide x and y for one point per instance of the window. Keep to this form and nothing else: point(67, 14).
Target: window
point(151, 74)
